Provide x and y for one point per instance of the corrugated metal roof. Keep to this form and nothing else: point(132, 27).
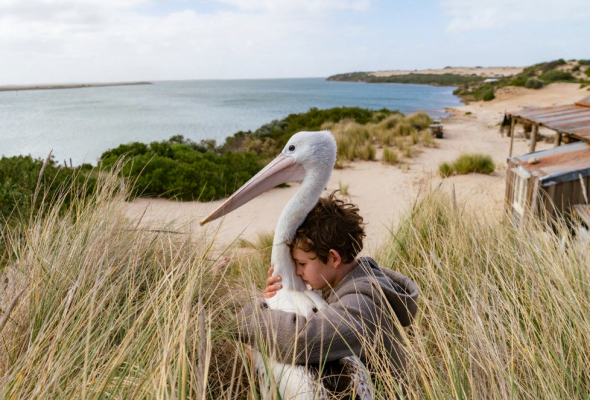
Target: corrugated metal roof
point(585, 102)
point(558, 164)
point(573, 119)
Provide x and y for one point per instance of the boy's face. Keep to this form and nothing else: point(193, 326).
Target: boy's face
point(312, 270)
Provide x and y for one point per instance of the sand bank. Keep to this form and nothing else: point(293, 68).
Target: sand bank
point(385, 192)
point(67, 86)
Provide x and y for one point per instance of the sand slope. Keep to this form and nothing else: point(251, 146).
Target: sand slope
point(384, 192)
point(488, 72)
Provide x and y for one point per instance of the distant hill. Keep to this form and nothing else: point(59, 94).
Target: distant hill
point(478, 83)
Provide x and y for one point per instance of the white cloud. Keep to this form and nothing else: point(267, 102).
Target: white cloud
point(469, 15)
point(284, 6)
point(100, 40)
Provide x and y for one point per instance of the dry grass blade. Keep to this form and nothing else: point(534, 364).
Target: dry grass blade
point(9, 310)
point(39, 182)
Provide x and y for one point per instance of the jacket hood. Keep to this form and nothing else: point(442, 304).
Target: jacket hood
point(369, 279)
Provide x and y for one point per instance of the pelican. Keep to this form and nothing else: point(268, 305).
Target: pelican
point(308, 157)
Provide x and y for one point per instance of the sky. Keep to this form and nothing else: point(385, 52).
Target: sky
point(64, 41)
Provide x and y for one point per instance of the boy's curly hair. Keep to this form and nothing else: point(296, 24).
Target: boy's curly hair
point(331, 224)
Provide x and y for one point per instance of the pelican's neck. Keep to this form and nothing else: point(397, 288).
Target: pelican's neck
point(291, 218)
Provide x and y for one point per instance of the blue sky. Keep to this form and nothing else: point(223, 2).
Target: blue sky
point(49, 41)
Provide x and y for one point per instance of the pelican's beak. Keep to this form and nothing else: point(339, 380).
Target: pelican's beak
point(282, 169)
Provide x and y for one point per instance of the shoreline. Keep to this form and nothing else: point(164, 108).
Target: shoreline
point(16, 88)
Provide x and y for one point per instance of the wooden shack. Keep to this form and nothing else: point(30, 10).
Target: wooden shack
point(549, 182)
point(571, 122)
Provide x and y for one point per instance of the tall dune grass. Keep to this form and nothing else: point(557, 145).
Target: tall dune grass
point(110, 311)
point(504, 311)
point(357, 141)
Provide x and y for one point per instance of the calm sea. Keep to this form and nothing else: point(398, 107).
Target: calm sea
point(83, 123)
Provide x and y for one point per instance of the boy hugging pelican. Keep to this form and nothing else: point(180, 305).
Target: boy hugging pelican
point(367, 304)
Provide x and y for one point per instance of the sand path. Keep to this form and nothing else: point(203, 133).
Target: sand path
point(382, 192)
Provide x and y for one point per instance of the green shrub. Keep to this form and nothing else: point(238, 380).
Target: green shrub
point(175, 170)
point(519, 81)
point(584, 62)
point(587, 72)
point(556, 75)
point(18, 181)
point(489, 96)
point(445, 169)
point(576, 68)
point(389, 156)
point(534, 83)
point(474, 163)
point(551, 65)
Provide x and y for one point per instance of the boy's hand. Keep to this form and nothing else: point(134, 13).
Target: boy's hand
point(272, 284)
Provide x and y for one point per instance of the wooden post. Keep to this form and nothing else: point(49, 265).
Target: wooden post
point(557, 139)
point(512, 124)
point(534, 138)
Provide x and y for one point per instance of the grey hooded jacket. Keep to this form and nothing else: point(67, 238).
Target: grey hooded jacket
point(360, 314)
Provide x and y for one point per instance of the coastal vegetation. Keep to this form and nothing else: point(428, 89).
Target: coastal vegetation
point(94, 307)
point(394, 131)
point(468, 164)
point(533, 77)
point(421, 79)
point(23, 193)
point(476, 88)
point(182, 169)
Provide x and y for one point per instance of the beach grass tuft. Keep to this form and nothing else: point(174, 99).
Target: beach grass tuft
point(474, 163)
point(446, 169)
point(389, 156)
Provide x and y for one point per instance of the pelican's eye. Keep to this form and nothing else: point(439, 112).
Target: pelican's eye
point(292, 147)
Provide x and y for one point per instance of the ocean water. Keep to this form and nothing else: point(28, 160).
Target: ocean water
point(83, 123)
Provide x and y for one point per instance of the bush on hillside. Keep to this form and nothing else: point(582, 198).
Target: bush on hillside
point(587, 72)
point(556, 75)
point(584, 62)
point(489, 96)
point(534, 83)
point(551, 65)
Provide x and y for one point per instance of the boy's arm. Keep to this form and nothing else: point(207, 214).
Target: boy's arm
point(334, 332)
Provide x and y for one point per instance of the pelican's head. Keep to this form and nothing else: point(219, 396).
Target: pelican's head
point(305, 152)
point(312, 150)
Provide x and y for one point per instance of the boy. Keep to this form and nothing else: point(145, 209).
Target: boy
point(363, 299)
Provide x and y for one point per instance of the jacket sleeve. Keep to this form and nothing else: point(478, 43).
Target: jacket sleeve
point(334, 332)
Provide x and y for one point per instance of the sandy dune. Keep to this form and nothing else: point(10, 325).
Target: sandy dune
point(384, 192)
point(488, 72)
